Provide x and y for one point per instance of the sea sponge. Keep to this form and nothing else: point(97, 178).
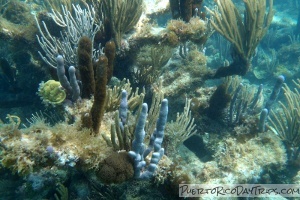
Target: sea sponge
point(116, 168)
point(97, 110)
point(51, 92)
point(218, 102)
point(85, 66)
point(110, 53)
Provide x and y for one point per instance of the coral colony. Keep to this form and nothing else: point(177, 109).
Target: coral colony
point(127, 99)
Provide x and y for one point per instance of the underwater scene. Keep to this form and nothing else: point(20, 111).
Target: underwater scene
point(128, 99)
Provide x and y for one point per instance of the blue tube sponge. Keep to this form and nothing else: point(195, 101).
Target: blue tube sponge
point(60, 70)
point(71, 87)
point(138, 152)
point(74, 84)
point(138, 145)
point(159, 136)
point(123, 107)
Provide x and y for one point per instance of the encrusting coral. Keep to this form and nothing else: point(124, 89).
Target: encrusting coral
point(234, 156)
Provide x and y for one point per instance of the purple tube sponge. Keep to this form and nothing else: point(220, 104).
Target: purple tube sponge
point(60, 70)
point(159, 136)
point(74, 84)
point(138, 145)
point(138, 152)
point(123, 107)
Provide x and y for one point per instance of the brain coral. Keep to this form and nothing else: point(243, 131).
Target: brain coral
point(51, 92)
point(116, 168)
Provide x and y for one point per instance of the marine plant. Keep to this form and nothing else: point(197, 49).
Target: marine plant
point(123, 128)
point(113, 96)
point(82, 23)
point(59, 5)
point(62, 191)
point(244, 35)
point(121, 16)
point(149, 62)
point(285, 123)
point(237, 105)
point(179, 130)
point(269, 104)
point(245, 101)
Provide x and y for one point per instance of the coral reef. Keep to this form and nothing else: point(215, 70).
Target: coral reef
point(138, 104)
point(267, 150)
